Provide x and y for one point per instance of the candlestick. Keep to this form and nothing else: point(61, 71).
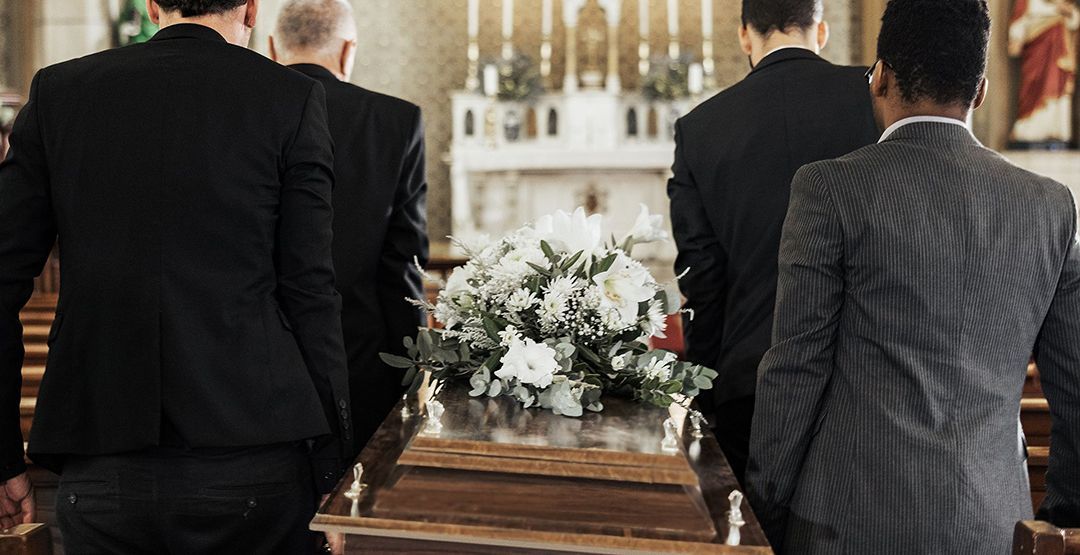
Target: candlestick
point(508, 29)
point(546, 19)
point(673, 28)
point(673, 17)
point(707, 19)
point(707, 61)
point(643, 19)
point(472, 81)
point(474, 18)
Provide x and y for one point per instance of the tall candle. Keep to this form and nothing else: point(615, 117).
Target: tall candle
point(474, 18)
point(545, 20)
point(695, 81)
point(491, 80)
point(706, 19)
point(673, 18)
point(643, 17)
point(508, 19)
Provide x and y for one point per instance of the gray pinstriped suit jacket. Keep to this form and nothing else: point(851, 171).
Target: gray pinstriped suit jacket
point(917, 276)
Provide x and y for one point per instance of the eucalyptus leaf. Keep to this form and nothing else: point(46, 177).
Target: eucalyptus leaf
point(395, 361)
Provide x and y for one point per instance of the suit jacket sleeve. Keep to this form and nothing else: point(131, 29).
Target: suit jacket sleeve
point(406, 244)
point(306, 279)
point(27, 235)
point(1057, 354)
point(795, 373)
point(701, 257)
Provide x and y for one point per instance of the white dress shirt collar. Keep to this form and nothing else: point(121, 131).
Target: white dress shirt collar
point(921, 119)
point(775, 50)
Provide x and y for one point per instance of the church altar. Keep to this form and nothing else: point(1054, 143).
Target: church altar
point(593, 142)
point(481, 475)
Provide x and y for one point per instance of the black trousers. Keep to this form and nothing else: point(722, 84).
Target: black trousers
point(257, 500)
point(731, 422)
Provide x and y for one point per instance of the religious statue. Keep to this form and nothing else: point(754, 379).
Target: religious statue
point(1043, 34)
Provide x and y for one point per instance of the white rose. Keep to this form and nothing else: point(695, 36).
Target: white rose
point(618, 362)
point(648, 228)
point(624, 286)
point(530, 362)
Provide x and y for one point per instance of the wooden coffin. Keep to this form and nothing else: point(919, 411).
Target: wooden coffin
point(499, 478)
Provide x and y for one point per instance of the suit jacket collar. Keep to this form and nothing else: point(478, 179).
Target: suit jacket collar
point(935, 133)
point(188, 31)
point(786, 55)
point(316, 72)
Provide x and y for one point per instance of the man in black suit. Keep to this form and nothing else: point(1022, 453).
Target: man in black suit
point(734, 160)
point(196, 392)
point(380, 220)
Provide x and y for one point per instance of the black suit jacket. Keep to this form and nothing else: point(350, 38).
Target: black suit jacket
point(735, 157)
point(189, 183)
point(380, 231)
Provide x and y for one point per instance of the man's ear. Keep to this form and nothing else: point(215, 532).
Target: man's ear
point(251, 13)
point(273, 51)
point(881, 81)
point(744, 40)
point(348, 58)
point(154, 11)
point(822, 35)
point(980, 97)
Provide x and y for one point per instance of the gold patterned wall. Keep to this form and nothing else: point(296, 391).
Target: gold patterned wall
point(415, 49)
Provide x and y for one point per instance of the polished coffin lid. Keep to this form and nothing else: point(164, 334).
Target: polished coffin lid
point(499, 475)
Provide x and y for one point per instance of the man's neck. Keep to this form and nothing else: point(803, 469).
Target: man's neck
point(227, 25)
point(314, 61)
point(779, 40)
point(923, 109)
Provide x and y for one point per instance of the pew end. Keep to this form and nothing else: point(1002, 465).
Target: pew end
point(1034, 537)
point(26, 539)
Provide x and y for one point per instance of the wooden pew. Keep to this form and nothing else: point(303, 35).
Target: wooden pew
point(26, 539)
point(1033, 537)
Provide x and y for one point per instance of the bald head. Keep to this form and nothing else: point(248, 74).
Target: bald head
point(321, 32)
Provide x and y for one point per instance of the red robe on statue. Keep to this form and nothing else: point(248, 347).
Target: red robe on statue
point(1042, 32)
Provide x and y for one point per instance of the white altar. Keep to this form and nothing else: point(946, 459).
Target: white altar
point(591, 144)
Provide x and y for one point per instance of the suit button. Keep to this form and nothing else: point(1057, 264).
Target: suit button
point(252, 503)
point(342, 404)
point(345, 425)
point(328, 476)
point(73, 499)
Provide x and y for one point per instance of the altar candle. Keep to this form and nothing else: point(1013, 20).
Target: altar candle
point(474, 18)
point(491, 80)
point(706, 19)
point(673, 18)
point(545, 21)
point(695, 80)
point(508, 19)
point(643, 18)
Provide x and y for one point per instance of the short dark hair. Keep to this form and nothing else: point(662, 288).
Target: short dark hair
point(195, 8)
point(936, 48)
point(766, 16)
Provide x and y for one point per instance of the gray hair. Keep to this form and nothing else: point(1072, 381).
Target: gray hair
point(313, 26)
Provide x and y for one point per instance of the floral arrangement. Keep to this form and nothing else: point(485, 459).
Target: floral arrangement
point(519, 78)
point(555, 317)
point(667, 79)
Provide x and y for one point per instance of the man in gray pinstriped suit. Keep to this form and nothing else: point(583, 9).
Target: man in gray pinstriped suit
point(916, 278)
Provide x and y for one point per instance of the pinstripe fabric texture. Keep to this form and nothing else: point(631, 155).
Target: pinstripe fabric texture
point(915, 277)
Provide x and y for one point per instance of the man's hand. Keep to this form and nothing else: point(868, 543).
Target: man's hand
point(336, 542)
point(17, 502)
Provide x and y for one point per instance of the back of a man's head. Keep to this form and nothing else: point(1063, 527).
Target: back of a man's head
point(769, 16)
point(197, 8)
point(936, 48)
point(313, 27)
